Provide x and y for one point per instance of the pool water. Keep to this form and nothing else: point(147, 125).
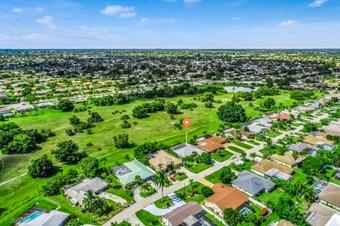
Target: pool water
point(31, 217)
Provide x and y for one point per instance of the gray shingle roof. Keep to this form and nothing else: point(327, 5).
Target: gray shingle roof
point(184, 150)
point(252, 184)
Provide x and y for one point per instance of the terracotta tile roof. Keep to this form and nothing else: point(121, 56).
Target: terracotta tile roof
point(227, 197)
point(212, 144)
point(283, 116)
point(162, 159)
point(267, 164)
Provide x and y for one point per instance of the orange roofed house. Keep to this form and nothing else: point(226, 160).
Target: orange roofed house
point(211, 144)
point(282, 116)
point(225, 197)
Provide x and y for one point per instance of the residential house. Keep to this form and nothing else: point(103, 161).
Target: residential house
point(127, 172)
point(163, 160)
point(184, 150)
point(282, 116)
point(189, 214)
point(302, 147)
point(77, 193)
point(273, 169)
point(286, 159)
point(265, 122)
point(284, 223)
point(331, 196)
point(319, 215)
point(252, 184)
point(256, 128)
point(333, 129)
point(225, 197)
point(211, 144)
point(319, 141)
point(52, 218)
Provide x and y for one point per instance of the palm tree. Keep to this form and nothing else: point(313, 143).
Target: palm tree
point(161, 179)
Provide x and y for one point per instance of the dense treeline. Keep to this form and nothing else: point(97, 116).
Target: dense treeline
point(15, 140)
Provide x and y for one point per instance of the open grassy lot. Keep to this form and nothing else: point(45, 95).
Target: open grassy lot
point(247, 164)
point(16, 196)
point(221, 155)
point(214, 177)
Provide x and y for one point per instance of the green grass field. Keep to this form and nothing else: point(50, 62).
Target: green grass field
point(221, 156)
point(241, 144)
point(16, 195)
point(236, 149)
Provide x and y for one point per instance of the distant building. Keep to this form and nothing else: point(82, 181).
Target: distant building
point(302, 147)
point(77, 193)
point(333, 129)
point(286, 159)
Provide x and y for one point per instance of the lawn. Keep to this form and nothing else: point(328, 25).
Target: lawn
point(148, 219)
point(273, 196)
point(236, 149)
point(164, 203)
point(197, 167)
point(191, 192)
point(180, 176)
point(247, 164)
point(215, 177)
point(271, 133)
point(241, 144)
point(221, 156)
point(117, 189)
point(213, 219)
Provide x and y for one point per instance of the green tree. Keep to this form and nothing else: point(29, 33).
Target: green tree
point(90, 167)
point(233, 217)
point(121, 141)
point(41, 167)
point(161, 180)
point(171, 108)
point(268, 104)
point(232, 112)
point(68, 152)
point(65, 105)
point(227, 175)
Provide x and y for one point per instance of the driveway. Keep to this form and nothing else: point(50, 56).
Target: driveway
point(177, 202)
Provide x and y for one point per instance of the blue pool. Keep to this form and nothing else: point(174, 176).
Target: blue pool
point(31, 217)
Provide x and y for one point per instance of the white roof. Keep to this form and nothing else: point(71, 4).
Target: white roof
point(53, 218)
point(334, 221)
point(184, 150)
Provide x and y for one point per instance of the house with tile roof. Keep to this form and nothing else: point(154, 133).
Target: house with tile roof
point(163, 160)
point(226, 197)
point(331, 196)
point(273, 169)
point(211, 144)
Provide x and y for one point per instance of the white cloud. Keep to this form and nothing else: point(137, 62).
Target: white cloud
point(148, 21)
point(317, 3)
point(17, 10)
point(190, 2)
point(287, 23)
point(119, 11)
point(46, 21)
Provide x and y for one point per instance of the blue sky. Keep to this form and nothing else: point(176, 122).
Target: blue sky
point(170, 24)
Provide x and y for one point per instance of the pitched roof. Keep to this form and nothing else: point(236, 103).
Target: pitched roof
point(331, 194)
point(162, 159)
point(184, 150)
point(48, 219)
point(316, 140)
point(251, 183)
point(267, 164)
point(77, 192)
point(212, 144)
point(180, 214)
point(283, 116)
point(286, 158)
point(285, 223)
point(319, 214)
point(227, 197)
point(301, 147)
point(127, 172)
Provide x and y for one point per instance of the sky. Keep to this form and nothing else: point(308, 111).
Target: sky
point(219, 24)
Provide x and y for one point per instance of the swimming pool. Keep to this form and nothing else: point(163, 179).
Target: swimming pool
point(31, 217)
